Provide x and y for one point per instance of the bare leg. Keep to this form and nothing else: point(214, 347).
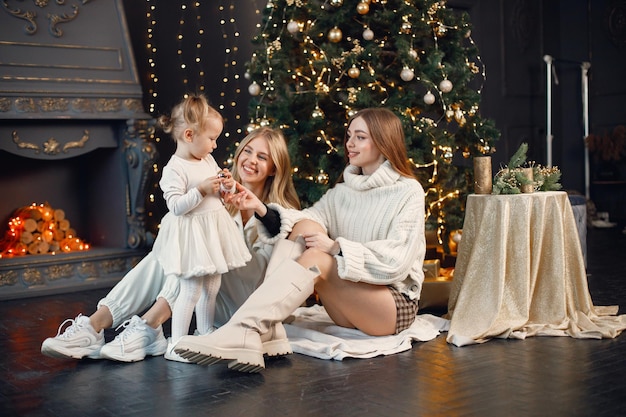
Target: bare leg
point(158, 314)
point(369, 308)
point(101, 319)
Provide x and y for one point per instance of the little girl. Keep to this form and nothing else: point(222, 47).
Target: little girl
point(198, 240)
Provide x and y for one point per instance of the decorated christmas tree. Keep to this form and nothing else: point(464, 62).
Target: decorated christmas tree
point(318, 62)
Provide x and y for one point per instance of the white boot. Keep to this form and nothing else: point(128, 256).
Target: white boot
point(275, 341)
point(239, 340)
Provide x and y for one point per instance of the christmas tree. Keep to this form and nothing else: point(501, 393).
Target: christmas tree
point(318, 62)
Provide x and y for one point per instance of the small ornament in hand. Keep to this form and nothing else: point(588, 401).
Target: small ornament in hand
point(225, 176)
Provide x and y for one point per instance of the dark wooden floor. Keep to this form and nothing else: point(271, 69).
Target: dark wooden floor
point(541, 376)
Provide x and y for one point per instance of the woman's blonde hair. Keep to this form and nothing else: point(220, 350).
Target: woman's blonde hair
point(279, 187)
point(388, 135)
point(193, 112)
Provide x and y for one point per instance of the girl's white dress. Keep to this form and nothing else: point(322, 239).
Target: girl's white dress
point(197, 236)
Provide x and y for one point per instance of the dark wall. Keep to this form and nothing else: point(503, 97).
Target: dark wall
point(513, 37)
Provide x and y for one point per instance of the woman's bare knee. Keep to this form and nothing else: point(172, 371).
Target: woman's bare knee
point(305, 226)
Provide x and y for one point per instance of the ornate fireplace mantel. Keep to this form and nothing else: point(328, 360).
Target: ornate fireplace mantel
point(73, 130)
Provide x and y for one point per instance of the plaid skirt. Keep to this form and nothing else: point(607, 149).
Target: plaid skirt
point(406, 309)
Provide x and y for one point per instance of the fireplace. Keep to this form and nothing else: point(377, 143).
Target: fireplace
point(74, 135)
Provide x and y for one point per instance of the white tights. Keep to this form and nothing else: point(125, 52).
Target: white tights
point(198, 293)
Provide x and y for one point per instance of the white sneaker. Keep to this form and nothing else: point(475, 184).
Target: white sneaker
point(77, 341)
point(136, 341)
point(170, 355)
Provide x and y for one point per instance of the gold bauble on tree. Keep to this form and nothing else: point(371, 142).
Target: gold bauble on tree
point(363, 8)
point(354, 72)
point(335, 35)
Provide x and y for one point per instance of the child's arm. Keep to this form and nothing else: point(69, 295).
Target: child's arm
point(179, 201)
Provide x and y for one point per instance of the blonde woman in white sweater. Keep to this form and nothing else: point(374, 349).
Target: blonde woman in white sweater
point(360, 247)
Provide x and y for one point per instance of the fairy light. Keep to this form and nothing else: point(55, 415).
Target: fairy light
point(151, 54)
point(227, 21)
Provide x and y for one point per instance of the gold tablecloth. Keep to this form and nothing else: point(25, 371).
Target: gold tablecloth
point(520, 272)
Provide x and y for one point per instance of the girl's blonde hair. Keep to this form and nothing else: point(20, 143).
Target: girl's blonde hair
point(388, 136)
point(279, 187)
point(193, 112)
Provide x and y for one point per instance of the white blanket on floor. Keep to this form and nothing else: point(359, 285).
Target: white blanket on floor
point(313, 333)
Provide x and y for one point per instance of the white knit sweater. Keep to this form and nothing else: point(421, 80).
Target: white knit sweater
point(378, 221)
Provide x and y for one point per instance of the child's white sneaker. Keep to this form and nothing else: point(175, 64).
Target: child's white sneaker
point(173, 356)
point(77, 341)
point(136, 341)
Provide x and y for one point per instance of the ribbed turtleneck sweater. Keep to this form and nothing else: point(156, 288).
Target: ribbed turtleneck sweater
point(378, 221)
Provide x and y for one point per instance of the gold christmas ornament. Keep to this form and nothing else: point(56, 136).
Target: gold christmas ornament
point(354, 72)
point(362, 8)
point(413, 54)
point(335, 35)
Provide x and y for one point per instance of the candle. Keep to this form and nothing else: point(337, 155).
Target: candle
point(482, 175)
point(528, 188)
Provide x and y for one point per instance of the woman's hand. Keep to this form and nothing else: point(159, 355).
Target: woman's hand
point(321, 241)
point(245, 199)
